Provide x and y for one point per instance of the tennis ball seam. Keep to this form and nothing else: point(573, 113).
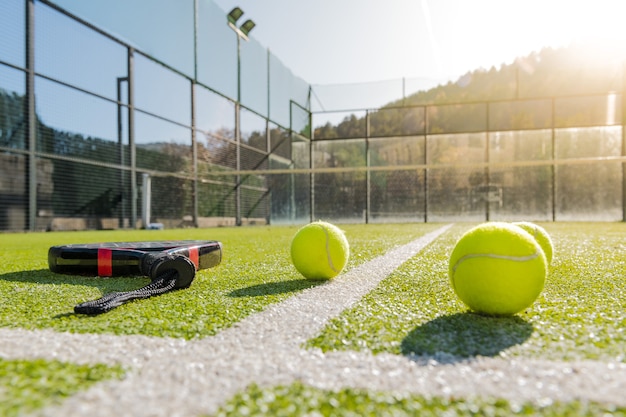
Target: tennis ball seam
point(463, 258)
point(330, 259)
point(524, 258)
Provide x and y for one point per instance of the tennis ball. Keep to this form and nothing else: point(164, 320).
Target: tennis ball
point(541, 236)
point(319, 250)
point(497, 268)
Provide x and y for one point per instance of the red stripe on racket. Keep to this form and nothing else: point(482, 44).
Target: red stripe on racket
point(105, 262)
point(194, 256)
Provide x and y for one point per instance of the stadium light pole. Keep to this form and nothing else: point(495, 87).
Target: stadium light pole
point(242, 33)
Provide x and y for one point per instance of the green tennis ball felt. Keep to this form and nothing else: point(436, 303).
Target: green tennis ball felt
point(497, 269)
point(541, 236)
point(319, 250)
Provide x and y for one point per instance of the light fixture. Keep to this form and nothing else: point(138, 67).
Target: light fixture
point(234, 15)
point(243, 30)
point(247, 26)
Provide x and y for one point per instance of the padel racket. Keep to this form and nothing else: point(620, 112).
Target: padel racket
point(170, 265)
point(125, 258)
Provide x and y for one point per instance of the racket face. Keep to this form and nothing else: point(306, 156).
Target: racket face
point(124, 258)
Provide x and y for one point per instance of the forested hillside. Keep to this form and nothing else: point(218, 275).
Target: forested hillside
point(460, 105)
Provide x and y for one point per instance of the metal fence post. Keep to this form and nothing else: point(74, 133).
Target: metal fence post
point(30, 115)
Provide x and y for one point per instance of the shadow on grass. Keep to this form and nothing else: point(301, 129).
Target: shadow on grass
point(271, 288)
point(46, 277)
point(463, 336)
point(43, 277)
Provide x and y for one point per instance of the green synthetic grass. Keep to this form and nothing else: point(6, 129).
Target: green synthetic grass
point(300, 400)
point(26, 386)
point(256, 271)
point(579, 315)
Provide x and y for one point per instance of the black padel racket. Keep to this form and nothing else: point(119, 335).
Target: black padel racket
point(125, 258)
point(171, 265)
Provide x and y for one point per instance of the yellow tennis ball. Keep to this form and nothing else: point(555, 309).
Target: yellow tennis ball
point(497, 268)
point(319, 250)
point(541, 236)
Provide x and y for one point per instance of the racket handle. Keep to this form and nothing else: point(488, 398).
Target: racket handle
point(153, 264)
point(167, 272)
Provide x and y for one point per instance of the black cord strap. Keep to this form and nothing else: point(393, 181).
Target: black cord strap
point(168, 272)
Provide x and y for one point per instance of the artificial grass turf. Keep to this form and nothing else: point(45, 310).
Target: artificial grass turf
point(255, 272)
point(581, 314)
point(28, 385)
point(300, 400)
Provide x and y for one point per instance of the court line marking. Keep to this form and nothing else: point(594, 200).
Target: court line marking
point(175, 377)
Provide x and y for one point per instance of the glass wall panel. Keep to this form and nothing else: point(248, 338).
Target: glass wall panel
point(215, 119)
point(589, 191)
point(596, 74)
point(216, 199)
point(450, 186)
point(282, 192)
point(280, 141)
point(518, 115)
point(415, 85)
point(340, 196)
point(519, 192)
point(498, 160)
point(13, 191)
point(255, 199)
point(397, 195)
point(172, 200)
point(12, 121)
point(588, 111)
point(300, 121)
point(301, 93)
point(253, 130)
point(371, 95)
point(216, 154)
point(13, 32)
point(215, 114)
point(81, 196)
point(254, 76)
point(161, 91)
point(71, 52)
point(300, 150)
point(161, 145)
point(76, 124)
point(253, 159)
point(216, 50)
point(281, 83)
point(162, 28)
point(341, 125)
point(457, 118)
point(398, 121)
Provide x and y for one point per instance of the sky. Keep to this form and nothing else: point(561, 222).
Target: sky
point(357, 41)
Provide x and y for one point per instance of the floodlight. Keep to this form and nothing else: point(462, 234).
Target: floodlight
point(247, 26)
point(234, 15)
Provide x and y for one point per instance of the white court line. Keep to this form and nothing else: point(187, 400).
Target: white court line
point(172, 377)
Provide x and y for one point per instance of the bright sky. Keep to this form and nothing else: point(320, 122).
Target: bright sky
point(351, 41)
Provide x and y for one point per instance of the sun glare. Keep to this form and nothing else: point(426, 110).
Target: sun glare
point(601, 29)
point(489, 32)
point(596, 26)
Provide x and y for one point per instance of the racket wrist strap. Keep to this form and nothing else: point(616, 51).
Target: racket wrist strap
point(167, 273)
